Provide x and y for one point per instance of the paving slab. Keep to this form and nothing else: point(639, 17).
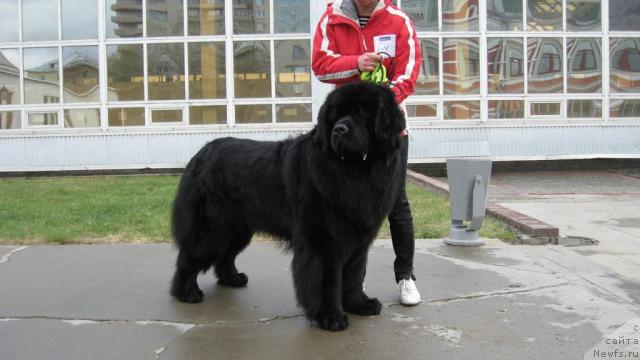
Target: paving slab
point(498, 301)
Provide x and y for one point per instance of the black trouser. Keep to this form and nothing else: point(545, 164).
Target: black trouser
point(401, 225)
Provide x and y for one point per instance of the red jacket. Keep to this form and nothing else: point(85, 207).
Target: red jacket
point(339, 41)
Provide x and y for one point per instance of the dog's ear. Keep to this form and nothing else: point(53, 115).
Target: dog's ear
point(389, 122)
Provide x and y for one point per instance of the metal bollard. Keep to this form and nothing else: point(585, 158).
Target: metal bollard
point(468, 184)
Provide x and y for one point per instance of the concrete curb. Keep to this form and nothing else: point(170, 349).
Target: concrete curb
point(524, 223)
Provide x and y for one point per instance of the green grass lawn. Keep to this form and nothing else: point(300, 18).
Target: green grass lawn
point(137, 208)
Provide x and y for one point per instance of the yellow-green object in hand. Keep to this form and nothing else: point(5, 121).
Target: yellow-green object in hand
point(377, 76)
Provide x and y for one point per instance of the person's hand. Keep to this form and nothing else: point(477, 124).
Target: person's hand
point(368, 61)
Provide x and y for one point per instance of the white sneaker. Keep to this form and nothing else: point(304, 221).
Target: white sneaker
point(409, 294)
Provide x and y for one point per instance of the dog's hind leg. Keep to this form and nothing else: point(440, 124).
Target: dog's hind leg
point(225, 267)
point(184, 285)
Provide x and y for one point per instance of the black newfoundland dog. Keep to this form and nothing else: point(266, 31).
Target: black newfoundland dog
point(326, 193)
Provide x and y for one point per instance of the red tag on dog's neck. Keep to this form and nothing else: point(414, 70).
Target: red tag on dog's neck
point(404, 133)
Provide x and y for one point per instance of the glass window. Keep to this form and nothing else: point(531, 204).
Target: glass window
point(428, 82)
point(124, 18)
point(545, 65)
point(207, 115)
point(41, 76)
point(42, 118)
point(505, 65)
point(625, 108)
point(207, 71)
point(293, 68)
point(585, 65)
point(584, 15)
point(252, 114)
point(206, 17)
point(79, 19)
point(252, 69)
point(506, 109)
point(126, 117)
point(166, 116)
point(165, 71)
point(39, 20)
point(286, 113)
point(504, 15)
point(80, 74)
point(291, 16)
point(423, 13)
point(625, 64)
point(544, 15)
point(81, 118)
point(9, 77)
point(165, 18)
point(125, 72)
point(10, 120)
point(250, 17)
point(461, 64)
point(422, 111)
point(584, 108)
point(544, 108)
point(624, 15)
point(459, 15)
point(8, 21)
point(461, 110)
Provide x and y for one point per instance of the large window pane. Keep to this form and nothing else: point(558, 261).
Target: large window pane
point(291, 16)
point(585, 65)
point(79, 19)
point(506, 109)
point(207, 115)
point(205, 17)
point(252, 67)
point(39, 20)
point(428, 82)
point(545, 65)
point(41, 77)
point(293, 68)
point(124, 18)
point(10, 120)
point(8, 20)
point(9, 77)
point(460, 15)
point(42, 118)
point(293, 113)
point(625, 108)
point(461, 110)
point(126, 117)
point(207, 71)
point(251, 17)
point(461, 63)
point(505, 65)
point(624, 15)
point(423, 13)
point(544, 15)
point(584, 108)
point(253, 114)
point(625, 64)
point(80, 74)
point(584, 15)
point(81, 118)
point(125, 72)
point(166, 71)
point(504, 15)
point(165, 18)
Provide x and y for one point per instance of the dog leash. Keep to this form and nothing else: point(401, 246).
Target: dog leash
point(378, 75)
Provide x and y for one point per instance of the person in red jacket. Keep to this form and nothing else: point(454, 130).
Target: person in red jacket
point(352, 37)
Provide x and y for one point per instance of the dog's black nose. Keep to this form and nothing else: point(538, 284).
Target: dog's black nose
point(341, 129)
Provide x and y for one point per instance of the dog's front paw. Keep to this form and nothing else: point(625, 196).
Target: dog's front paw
point(333, 321)
point(234, 280)
point(364, 307)
point(189, 295)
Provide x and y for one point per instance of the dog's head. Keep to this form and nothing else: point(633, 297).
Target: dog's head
point(358, 121)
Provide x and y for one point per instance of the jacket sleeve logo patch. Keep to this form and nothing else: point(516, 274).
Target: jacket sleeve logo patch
point(385, 44)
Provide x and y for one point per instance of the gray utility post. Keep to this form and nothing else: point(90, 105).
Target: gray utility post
point(468, 184)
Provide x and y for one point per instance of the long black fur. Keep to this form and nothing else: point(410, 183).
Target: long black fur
point(326, 193)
